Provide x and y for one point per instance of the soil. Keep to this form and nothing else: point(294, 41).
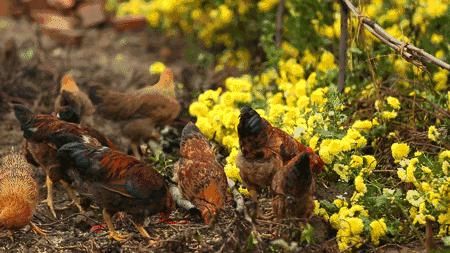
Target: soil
point(29, 73)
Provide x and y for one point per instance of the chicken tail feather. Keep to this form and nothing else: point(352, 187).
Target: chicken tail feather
point(94, 95)
point(25, 118)
point(250, 122)
point(302, 170)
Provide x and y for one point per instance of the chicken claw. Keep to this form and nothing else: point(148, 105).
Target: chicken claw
point(118, 236)
point(112, 231)
point(72, 195)
point(37, 229)
point(142, 231)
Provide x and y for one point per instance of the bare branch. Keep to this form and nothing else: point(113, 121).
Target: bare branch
point(409, 52)
point(343, 46)
point(279, 23)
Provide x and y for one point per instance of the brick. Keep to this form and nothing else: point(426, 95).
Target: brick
point(91, 13)
point(129, 23)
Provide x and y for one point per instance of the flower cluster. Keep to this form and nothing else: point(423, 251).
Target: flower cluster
point(295, 91)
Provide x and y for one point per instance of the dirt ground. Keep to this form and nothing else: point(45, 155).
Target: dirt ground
point(30, 75)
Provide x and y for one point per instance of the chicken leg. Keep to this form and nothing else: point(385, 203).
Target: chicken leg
point(258, 212)
point(135, 150)
point(141, 229)
point(112, 231)
point(49, 200)
point(72, 195)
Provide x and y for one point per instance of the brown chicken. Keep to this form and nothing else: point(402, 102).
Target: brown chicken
point(293, 189)
point(264, 150)
point(115, 181)
point(200, 177)
point(72, 104)
point(18, 192)
point(140, 111)
point(37, 128)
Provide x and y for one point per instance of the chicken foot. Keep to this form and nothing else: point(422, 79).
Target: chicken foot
point(112, 231)
point(37, 229)
point(76, 200)
point(140, 228)
point(258, 212)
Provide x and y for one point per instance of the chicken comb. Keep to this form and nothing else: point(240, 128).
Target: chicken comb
point(69, 84)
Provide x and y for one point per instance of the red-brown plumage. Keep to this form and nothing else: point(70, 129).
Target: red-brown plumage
point(200, 177)
point(39, 149)
point(265, 150)
point(117, 182)
point(293, 189)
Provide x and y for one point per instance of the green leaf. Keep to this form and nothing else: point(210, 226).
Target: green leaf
point(307, 234)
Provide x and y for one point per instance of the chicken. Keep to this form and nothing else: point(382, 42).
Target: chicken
point(200, 177)
point(264, 150)
point(139, 111)
point(293, 188)
point(37, 128)
point(72, 104)
point(19, 192)
point(115, 181)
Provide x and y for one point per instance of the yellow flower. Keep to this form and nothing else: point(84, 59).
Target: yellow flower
point(436, 8)
point(266, 5)
point(362, 125)
point(433, 133)
point(232, 172)
point(394, 102)
point(326, 62)
point(313, 141)
point(243, 191)
point(226, 15)
point(289, 49)
point(388, 115)
point(436, 38)
point(198, 109)
point(410, 169)
point(444, 155)
point(371, 162)
point(399, 150)
point(378, 229)
point(318, 96)
point(359, 184)
point(308, 58)
point(440, 54)
point(414, 198)
point(157, 67)
point(356, 162)
point(401, 173)
point(441, 78)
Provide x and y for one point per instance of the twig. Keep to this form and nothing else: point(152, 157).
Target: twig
point(279, 23)
point(428, 236)
point(409, 52)
point(343, 46)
